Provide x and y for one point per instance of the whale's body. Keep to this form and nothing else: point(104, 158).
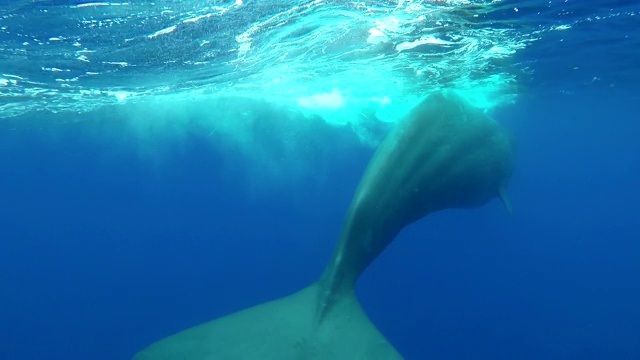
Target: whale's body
point(444, 154)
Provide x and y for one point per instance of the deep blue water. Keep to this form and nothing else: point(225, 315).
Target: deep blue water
point(113, 234)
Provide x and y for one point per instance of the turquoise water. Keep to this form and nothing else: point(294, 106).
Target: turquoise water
point(321, 56)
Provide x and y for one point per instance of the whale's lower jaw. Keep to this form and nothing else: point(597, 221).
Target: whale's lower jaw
point(283, 329)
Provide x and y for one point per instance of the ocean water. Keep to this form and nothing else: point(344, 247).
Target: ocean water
point(166, 163)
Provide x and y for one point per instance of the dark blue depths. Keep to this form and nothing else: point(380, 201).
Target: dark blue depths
point(111, 240)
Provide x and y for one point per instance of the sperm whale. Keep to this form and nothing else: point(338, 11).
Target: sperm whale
point(443, 154)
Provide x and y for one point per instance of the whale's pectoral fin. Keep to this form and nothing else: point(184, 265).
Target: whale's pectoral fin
point(502, 193)
point(283, 329)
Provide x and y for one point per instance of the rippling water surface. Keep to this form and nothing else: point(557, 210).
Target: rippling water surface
point(73, 56)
